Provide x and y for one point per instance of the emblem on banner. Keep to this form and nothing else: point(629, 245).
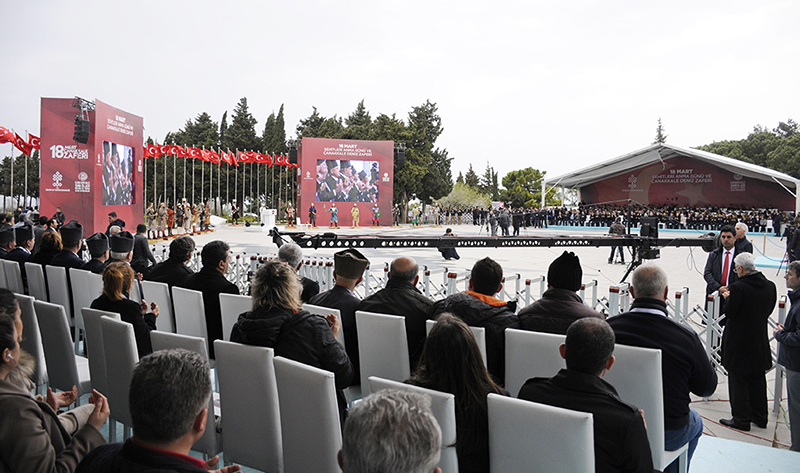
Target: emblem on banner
point(57, 178)
point(632, 182)
point(385, 177)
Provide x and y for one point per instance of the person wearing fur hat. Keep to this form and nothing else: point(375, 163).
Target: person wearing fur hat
point(6, 240)
point(98, 248)
point(560, 305)
point(71, 237)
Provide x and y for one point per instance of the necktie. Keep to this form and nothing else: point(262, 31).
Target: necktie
point(726, 268)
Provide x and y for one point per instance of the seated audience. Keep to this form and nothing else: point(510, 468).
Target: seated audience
point(620, 437)
point(48, 248)
point(478, 307)
point(391, 431)
point(98, 249)
point(6, 239)
point(32, 437)
point(117, 281)
point(173, 270)
point(559, 306)
point(71, 236)
point(168, 401)
point(348, 272)
point(451, 362)
point(401, 297)
point(278, 321)
point(292, 254)
point(211, 281)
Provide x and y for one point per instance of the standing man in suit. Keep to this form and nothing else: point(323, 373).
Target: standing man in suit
point(742, 244)
point(348, 272)
point(71, 236)
point(719, 273)
point(211, 281)
point(142, 256)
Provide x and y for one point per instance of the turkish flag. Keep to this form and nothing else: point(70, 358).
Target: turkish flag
point(22, 145)
point(163, 149)
point(145, 153)
point(233, 158)
point(214, 156)
point(34, 141)
point(242, 157)
point(194, 152)
point(152, 151)
point(6, 135)
point(181, 151)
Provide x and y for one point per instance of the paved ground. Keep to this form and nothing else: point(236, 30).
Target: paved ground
point(684, 267)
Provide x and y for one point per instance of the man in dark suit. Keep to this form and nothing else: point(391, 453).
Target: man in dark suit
point(292, 254)
point(211, 281)
point(142, 256)
point(98, 248)
point(174, 270)
point(719, 273)
point(348, 272)
point(22, 251)
point(745, 347)
point(620, 437)
point(6, 239)
point(71, 236)
point(114, 221)
point(742, 244)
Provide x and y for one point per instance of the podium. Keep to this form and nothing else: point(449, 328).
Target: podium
point(268, 217)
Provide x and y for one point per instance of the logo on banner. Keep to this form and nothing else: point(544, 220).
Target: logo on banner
point(632, 182)
point(385, 177)
point(57, 184)
point(140, 165)
point(308, 175)
point(82, 184)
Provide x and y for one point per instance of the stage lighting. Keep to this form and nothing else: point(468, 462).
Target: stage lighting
point(292, 152)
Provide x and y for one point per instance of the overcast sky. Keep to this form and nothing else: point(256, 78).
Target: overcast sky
point(552, 85)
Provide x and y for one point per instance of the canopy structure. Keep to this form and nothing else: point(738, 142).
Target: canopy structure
point(665, 174)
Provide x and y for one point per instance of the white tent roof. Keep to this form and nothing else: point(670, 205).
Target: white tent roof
point(661, 152)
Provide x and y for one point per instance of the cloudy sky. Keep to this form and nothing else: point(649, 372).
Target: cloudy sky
point(552, 85)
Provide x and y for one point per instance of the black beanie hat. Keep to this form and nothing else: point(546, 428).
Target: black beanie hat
point(565, 272)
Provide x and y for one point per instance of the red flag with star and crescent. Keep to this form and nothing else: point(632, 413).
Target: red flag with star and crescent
point(34, 141)
point(6, 135)
point(22, 145)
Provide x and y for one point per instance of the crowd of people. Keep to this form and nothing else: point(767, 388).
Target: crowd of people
point(445, 359)
point(340, 181)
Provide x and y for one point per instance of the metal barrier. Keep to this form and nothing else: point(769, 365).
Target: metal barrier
point(589, 285)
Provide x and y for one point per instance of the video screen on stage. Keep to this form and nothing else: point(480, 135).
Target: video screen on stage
point(347, 180)
point(118, 182)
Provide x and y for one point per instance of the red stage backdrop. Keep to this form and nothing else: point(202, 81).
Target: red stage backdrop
point(345, 172)
point(685, 181)
point(90, 180)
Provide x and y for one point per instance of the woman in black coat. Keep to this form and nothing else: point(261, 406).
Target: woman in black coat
point(117, 281)
point(50, 246)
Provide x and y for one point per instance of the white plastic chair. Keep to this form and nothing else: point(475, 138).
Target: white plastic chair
point(32, 340)
point(96, 353)
point(531, 355)
point(531, 437)
point(94, 285)
point(310, 426)
point(382, 347)
point(36, 286)
point(121, 357)
point(13, 277)
point(65, 368)
point(60, 294)
point(636, 375)
point(80, 296)
point(3, 282)
point(210, 443)
point(190, 312)
point(324, 311)
point(231, 305)
point(478, 332)
point(443, 406)
point(252, 437)
point(158, 292)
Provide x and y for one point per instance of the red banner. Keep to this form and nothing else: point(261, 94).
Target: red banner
point(6, 135)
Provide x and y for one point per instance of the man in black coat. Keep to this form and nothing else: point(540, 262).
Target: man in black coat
point(401, 297)
point(98, 248)
point(142, 256)
point(559, 306)
point(715, 273)
point(745, 346)
point(173, 270)
point(71, 236)
point(620, 437)
point(478, 307)
point(22, 251)
point(348, 272)
point(211, 281)
point(743, 245)
point(6, 239)
point(114, 221)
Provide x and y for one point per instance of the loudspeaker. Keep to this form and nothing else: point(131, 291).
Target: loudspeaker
point(400, 161)
point(292, 156)
point(81, 134)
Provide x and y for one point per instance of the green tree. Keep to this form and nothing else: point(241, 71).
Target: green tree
point(661, 137)
point(20, 175)
point(309, 127)
point(488, 183)
point(358, 124)
point(460, 178)
point(463, 195)
point(242, 131)
point(471, 178)
point(523, 188)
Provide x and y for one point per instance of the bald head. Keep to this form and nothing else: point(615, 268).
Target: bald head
point(649, 281)
point(404, 269)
